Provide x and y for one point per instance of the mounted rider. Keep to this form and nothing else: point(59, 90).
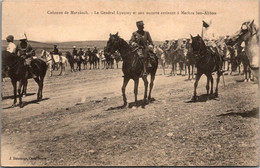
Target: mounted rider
point(55, 52)
point(142, 42)
point(80, 54)
point(95, 51)
point(166, 45)
point(25, 51)
point(11, 47)
point(74, 52)
point(211, 44)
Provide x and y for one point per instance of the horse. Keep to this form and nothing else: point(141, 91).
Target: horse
point(249, 34)
point(132, 66)
point(109, 60)
point(117, 58)
point(171, 57)
point(18, 72)
point(78, 58)
point(206, 62)
point(242, 58)
point(93, 60)
point(103, 59)
point(51, 63)
point(161, 56)
point(71, 61)
point(189, 61)
point(84, 61)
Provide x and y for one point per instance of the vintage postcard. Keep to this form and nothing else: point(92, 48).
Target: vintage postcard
point(130, 83)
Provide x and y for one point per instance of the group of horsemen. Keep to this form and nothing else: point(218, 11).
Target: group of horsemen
point(140, 41)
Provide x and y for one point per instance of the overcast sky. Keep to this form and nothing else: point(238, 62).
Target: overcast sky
point(32, 18)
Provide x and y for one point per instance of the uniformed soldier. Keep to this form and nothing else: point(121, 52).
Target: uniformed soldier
point(11, 47)
point(95, 51)
point(166, 45)
point(25, 51)
point(142, 40)
point(55, 50)
point(74, 52)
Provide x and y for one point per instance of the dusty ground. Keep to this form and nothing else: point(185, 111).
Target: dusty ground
point(79, 122)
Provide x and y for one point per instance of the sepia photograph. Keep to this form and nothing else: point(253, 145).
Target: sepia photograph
point(130, 83)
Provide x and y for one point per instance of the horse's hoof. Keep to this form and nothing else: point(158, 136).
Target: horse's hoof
point(194, 99)
point(21, 105)
point(14, 105)
point(125, 103)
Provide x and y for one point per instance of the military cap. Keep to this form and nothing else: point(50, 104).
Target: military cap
point(10, 38)
point(139, 23)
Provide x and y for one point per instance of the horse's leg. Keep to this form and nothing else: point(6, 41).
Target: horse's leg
point(14, 83)
point(24, 92)
point(126, 80)
point(136, 81)
point(37, 80)
point(61, 69)
point(151, 86)
point(145, 89)
point(163, 67)
point(41, 87)
point(188, 71)
point(192, 70)
point(207, 86)
point(212, 81)
point(198, 75)
point(218, 78)
point(19, 93)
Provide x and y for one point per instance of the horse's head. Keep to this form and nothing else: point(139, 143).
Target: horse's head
point(113, 43)
point(43, 54)
point(197, 45)
point(247, 30)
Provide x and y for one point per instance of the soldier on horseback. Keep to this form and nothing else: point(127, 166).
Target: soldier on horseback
point(11, 47)
point(25, 51)
point(142, 42)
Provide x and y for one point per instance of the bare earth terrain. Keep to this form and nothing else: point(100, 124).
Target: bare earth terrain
point(79, 123)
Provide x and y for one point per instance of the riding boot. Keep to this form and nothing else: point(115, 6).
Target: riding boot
point(31, 71)
point(145, 64)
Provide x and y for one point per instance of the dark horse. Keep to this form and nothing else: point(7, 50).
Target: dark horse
point(132, 66)
point(206, 63)
point(17, 72)
point(71, 61)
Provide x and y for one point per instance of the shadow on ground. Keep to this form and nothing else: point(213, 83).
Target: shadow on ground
point(203, 98)
point(25, 103)
point(139, 103)
point(12, 97)
point(254, 113)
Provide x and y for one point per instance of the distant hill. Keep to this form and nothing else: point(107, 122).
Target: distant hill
point(66, 46)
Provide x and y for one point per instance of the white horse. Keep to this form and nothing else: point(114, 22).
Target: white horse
point(51, 61)
point(249, 34)
point(103, 59)
point(161, 55)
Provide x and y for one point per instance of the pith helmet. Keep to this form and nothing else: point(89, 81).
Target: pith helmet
point(23, 37)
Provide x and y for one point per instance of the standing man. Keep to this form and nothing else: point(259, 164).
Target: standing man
point(11, 47)
point(25, 51)
point(141, 39)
